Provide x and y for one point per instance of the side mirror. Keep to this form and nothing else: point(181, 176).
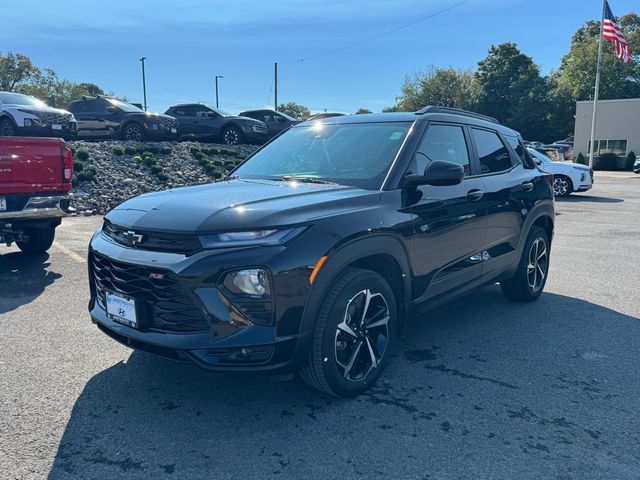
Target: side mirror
point(438, 173)
point(112, 109)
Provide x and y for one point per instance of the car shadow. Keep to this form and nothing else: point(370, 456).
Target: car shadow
point(577, 197)
point(496, 375)
point(23, 278)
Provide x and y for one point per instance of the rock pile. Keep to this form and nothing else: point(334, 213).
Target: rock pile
point(109, 172)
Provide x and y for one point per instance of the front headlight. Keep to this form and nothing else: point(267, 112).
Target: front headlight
point(253, 282)
point(252, 238)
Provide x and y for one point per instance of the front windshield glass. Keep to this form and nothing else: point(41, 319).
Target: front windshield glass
point(357, 154)
point(18, 99)
point(125, 107)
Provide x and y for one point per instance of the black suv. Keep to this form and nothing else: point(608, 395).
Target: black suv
point(311, 255)
point(276, 122)
point(104, 117)
point(201, 122)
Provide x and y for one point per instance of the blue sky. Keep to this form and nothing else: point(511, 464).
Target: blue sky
point(187, 42)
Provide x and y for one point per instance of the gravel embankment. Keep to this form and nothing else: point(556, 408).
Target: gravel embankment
point(110, 172)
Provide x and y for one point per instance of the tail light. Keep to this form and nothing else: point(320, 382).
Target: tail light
point(67, 165)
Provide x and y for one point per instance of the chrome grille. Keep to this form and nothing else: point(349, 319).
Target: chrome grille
point(156, 241)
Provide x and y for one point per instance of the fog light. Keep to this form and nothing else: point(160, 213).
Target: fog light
point(254, 282)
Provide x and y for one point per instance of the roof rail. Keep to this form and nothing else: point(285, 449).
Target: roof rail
point(456, 111)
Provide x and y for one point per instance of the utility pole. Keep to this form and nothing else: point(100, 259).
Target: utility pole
point(144, 84)
point(217, 77)
point(275, 90)
point(597, 89)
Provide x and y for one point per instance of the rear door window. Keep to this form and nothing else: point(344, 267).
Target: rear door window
point(492, 153)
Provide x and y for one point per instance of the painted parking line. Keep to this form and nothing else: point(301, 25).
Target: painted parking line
point(70, 253)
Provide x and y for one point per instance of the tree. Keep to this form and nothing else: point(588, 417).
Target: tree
point(446, 87)
point(513, 91)
point(361, 110)
point(15, 69)
point(576, 77)
point(295, 110)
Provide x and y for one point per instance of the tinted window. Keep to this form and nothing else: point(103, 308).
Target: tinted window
point(445, 143)
point(101, 106)
point(521, 151)
point(85, 106)
point(9, 98)
point(349, 154)
point(494, 156)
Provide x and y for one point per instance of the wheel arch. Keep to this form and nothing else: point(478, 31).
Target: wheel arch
point(383, 254)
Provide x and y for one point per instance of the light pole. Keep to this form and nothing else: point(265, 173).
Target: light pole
point(144, 84)
point(217, 77)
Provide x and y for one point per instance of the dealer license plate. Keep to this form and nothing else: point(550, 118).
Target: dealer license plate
point(121, 309)
point(3, 204)
point(56, 127)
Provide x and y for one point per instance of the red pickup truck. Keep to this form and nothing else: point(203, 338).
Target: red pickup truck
point(35, 181)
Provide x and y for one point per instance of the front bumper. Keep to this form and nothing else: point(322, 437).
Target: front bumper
point(255, 137)
point(227, 339)
point(68, 132)
point(39, 207)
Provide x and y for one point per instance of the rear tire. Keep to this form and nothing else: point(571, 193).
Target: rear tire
point(40, 240)
point(6, 128)
point(531, 275)
point(353, 335)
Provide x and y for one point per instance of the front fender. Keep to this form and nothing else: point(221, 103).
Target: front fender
point(343, 256)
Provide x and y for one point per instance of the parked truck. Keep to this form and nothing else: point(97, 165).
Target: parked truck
point(35, 182)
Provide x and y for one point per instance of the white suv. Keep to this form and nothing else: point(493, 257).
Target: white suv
point(25, 115)
point(567, 177)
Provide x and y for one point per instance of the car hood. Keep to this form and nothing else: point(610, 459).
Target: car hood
point(577, 166)
point(46, 109)
point(154, 115)
point(240, 118)
point(239, 204)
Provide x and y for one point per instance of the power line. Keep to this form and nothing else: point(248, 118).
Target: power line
point(383, 34)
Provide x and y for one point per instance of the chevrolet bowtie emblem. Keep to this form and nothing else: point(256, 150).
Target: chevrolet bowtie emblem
point(132, 237)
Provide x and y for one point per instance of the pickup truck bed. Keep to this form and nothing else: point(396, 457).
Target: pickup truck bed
point(35, 180)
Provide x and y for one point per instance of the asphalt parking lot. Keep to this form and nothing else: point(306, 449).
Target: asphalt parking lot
point(481, 388)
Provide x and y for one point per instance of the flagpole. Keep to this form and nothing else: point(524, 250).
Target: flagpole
point(597, 88)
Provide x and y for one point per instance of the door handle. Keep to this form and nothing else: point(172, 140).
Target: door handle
point(475, 195)
point(528, 186)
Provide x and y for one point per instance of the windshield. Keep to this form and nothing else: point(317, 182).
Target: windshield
point(19, 99)
point(125, 107)
point(357, 154)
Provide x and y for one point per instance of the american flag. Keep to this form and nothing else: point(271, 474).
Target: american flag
point(611, 31)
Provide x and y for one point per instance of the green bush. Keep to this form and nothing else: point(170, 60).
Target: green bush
point(151, 149)
point(137, 159)
point(155, 169)
point(198, 155)
point(194, 150)
point(581, 159)
point(162, 176)
point(87, 174)
point(165, 150)
point(219, 163)
point(118, 150)
point(82, 155)
point(130, 150)
point(148, 161)
point(630, 160)
point(607, 161)
point(216, 174)
point(78, 166)
point(72, 148)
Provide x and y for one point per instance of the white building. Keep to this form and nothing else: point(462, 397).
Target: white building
point(617, 127)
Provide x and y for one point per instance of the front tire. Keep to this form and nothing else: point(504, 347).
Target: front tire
point(531, 275)
point(232, 136)
point(6, 128)
point(354, 332)
point(133, 132)
point(562, 186)
point(40, 240)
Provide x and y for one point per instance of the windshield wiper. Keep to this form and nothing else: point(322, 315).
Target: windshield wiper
point(291, 178)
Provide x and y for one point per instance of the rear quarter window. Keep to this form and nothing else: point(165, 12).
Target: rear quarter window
point(493, 154)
